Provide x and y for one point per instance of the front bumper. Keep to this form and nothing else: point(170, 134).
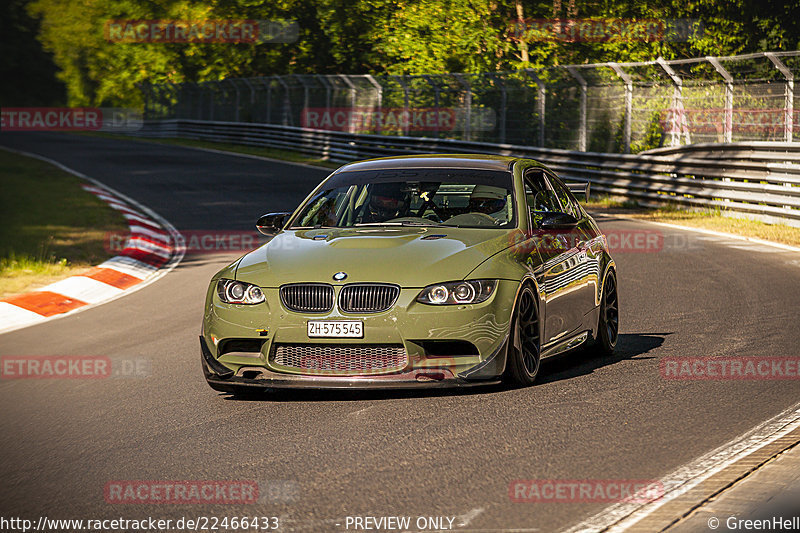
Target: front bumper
point(223, 379)
point(485, 326)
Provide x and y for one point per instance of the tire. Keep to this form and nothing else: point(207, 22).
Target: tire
point(608, 322)
point(524, 349)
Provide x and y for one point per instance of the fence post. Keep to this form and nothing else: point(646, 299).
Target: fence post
point(323, 78)
point(379, 92)
point(788, 106)
point(468, 104)
point(197, 111)
point(306, 89)
point(727, 127)
point(352, 87)
point(183, 98)
point(436, 90)
point(540, 102)
point(628, 103)
point(252, 96)
point(237, 100)
point(503, 102)
point(402, 81)
point(221, 86)
point(267, 82)
point(212, 97)
point(582, 129)
point(287, 104)
point(679, 122)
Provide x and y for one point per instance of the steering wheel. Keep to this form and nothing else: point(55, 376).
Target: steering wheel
point(433, 207)
point(540, 201)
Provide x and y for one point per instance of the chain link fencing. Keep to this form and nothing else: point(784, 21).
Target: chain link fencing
point(605, 107)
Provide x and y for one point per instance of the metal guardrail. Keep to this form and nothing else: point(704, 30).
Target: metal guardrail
point(759, 180)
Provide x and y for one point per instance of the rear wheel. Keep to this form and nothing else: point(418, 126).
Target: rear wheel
point(525, 347)
point(608, 324)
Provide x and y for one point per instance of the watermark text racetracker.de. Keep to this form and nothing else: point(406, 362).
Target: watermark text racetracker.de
point(201, 31)
point(617, 240)
point(730, 368)
point(367, 119)
point(601, 30)
point(585, 490)
point(108, 119)
point(194, 241)
point(204, 492)
point(73, 367)
point(740, 120)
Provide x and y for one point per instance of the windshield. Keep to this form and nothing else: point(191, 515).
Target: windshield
point(417, 197)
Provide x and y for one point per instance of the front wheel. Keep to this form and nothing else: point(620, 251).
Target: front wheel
point(608, 324)
point(525, 347)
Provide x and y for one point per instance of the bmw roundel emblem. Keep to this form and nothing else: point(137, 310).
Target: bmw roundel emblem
point(339, 276)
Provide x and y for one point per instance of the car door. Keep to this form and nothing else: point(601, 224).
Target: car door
point(589, 247)
point(560, 273)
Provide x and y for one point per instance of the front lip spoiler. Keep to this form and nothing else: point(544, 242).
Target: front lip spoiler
point(223, 378)
point(209, 362)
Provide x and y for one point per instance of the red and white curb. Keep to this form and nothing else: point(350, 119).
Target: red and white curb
point(154, 247)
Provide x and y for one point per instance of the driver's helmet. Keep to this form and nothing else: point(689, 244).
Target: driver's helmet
point(487, 199)
point(388, 201)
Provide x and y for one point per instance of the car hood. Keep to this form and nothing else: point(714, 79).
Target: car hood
point(407, 256)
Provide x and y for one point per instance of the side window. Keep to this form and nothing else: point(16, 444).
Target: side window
point(538, 195)
point(564, 197)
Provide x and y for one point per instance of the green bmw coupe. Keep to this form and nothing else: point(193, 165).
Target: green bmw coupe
point(418, 271)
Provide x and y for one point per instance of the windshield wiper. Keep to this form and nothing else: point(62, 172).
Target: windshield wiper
point(403, 223)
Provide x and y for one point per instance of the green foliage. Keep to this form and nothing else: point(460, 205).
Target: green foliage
point(653, 135)
point(27, 71)
point(378, 37)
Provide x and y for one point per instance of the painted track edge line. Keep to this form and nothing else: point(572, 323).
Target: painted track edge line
point(180, 248)
point(619, 516)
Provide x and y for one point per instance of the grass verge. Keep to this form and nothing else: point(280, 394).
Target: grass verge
point(51, 228)
point(272, 153)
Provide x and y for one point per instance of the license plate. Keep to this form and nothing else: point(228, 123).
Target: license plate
point(339, 328)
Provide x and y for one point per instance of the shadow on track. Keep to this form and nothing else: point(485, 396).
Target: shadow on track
point(583, 361)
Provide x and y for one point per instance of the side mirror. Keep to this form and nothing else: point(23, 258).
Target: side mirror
point(578, 189)
point(558, 220)
point(271, 223)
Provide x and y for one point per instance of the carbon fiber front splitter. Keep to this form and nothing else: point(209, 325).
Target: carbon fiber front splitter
point(224, 379)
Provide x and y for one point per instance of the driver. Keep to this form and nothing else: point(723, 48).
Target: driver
point(488, 200)
point(386, 201)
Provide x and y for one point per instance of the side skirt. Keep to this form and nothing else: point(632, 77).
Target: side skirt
point(565, 345)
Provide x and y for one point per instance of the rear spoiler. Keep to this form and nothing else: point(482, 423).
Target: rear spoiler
point(579, 188)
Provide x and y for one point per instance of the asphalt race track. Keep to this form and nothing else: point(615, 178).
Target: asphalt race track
point(341, 454)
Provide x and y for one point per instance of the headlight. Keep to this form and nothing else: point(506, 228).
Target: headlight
point(238, 292)
point(458, 292)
